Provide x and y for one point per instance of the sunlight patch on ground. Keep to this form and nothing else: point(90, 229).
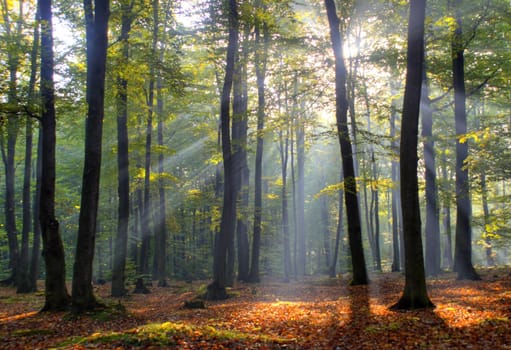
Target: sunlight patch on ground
point(18, 316)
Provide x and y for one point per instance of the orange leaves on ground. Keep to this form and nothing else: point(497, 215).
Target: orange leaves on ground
point(315, 313)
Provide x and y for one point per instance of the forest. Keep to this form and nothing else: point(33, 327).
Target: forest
point(205, 157)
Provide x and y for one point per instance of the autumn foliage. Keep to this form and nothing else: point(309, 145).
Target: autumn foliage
point(316, 313)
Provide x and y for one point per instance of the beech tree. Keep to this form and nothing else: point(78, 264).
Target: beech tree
point(216, 289)
point(123, 186)
point(56, 295)
point(350, 185)
point(261, 58)
point(415, 293)
point(463, 237)
point(96, 22)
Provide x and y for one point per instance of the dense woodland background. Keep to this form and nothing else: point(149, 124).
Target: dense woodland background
point(165, 75)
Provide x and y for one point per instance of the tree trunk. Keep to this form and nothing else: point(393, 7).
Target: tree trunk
point(325, 220)
point(147, 212)
point(56, 295)
point(123, 184)
point(97, 41)
point(490, 261)
point(216, 289)
point(446, 212)
point(36, 244)
point(396, 255)
point(339, 234)
point(463, 241)
point(240, 130)
point(350, 185)
point(24, 283)
point(415, 293)
point(432, 225)
point(284, 155)
point(9, 157)
point(260, 66)
point(301, 260)
point(161, 228)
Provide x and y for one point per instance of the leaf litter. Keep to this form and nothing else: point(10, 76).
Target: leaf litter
point(313, 313)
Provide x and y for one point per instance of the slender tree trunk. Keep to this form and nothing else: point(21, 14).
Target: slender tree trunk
point(463, 243)
point(339, 234)
point(396, 255)
point(24, 283)
point(284, 156)
point(216, 290)
point(240, 129)
point(9, 150)
point(432, 225)
point(96, 19)
point(56, 295)
point(325, 220)
point(36, 243)
point(490, 261)
point(161, 232)
point(350, 185)
point(147, 213)
point(260, 66)
point(301, 261)
point(446, 212)
point(123, 185)
point(415, 293)
point(375, 195)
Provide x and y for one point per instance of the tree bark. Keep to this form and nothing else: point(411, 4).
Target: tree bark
point(123, 184)
point(56, 295)
point(350, 185)
point(463, 238)
point(216, 289)
point(432, 214)
point(36, 244)
point(260, 66)
point(24, 283)
point(446, 212)
point(396, 254)
point(339, 234)
point(284, 156)
point(9, 149)
point(239, 132)
point(301, 260)
point(415, 294)
point(96, 20)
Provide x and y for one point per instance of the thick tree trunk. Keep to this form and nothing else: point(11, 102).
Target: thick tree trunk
point(463, 240)
point(350, 185)
point(432, 214)
point(415, 292)
point(123, 185)
point(216, 289)
point(56, 295)
point(97, 41)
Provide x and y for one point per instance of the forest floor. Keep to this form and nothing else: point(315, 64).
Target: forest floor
point(316, 313)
